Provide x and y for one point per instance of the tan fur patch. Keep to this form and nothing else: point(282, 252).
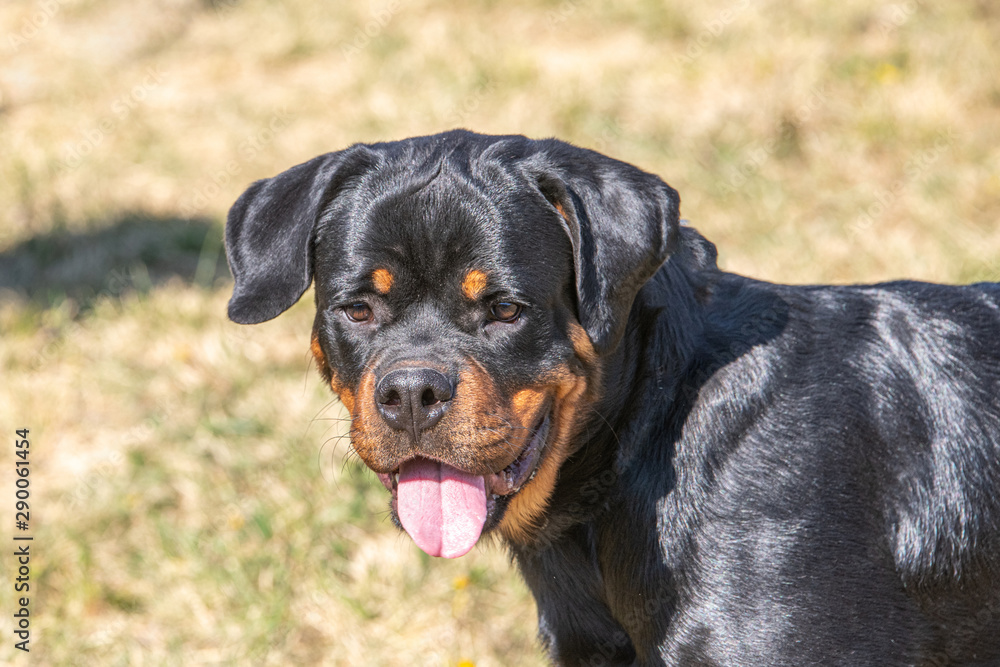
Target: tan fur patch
point(479, 432)
point(383, 280)
point(474, 284)
point(343, 393)
point(492, 429)
point(472, 419)
point(574, 393)
point(317, 351)
point(526, 403)
point(582, 345)
point(363, 418)
point(562, 211)
point(526, 508)
point(475, 394)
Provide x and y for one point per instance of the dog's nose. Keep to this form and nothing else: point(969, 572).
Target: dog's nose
point(413, 399)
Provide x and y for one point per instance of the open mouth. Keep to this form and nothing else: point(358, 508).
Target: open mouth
point(445, 509)
point(510, 480)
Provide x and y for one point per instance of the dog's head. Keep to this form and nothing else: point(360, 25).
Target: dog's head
point(468, 289)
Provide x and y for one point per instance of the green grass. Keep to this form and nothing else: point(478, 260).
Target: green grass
point(195, 501)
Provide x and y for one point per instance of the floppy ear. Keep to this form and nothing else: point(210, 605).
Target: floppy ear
point(623, 224)
point(269, 234)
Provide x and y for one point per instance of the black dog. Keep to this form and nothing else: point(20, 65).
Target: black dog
point(689, 467)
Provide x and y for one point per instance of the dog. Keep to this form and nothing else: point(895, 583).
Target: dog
point(689, 467)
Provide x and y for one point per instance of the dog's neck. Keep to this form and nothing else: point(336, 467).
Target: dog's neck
point(594, 517)
point(653, 363)
point(667, 327)
point(649, 366)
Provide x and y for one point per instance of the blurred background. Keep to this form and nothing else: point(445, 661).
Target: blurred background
point(193, 497)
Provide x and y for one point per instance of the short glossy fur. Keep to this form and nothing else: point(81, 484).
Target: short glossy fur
point(734, 472)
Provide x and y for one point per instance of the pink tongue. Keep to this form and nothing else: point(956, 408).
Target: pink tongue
point(442, 508)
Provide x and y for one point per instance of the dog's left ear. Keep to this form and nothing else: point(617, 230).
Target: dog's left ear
point(623, 223)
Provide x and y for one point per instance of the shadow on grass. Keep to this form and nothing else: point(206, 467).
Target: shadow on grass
point(134, 253)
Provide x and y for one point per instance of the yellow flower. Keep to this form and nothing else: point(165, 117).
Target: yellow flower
point(887, 73)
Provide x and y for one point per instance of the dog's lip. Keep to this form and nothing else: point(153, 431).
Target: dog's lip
point(522, 469)
point(509, 480)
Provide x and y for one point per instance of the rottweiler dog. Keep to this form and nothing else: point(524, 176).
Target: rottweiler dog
point(688, 466)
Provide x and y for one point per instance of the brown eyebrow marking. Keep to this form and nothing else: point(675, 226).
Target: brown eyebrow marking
point(474, 284)
point(383, 280)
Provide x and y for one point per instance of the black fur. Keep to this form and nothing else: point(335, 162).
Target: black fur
point(773, 475)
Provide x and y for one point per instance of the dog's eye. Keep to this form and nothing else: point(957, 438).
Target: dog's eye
point(505, 312)
point(358, 312)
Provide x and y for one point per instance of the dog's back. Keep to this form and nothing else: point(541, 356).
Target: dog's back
point(843, 445)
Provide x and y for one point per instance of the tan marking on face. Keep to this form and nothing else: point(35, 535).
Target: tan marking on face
point(474, 284)
point(317, 351)
point(525, 510)
point(492, 430)
point(365, 421)
point(582, 345)
point(575, 391)
point(474, 394)
point(474, 419)
point(562, 211)
point(526, 403)
point(382, 279)
point(478, 433)
point(343, 393)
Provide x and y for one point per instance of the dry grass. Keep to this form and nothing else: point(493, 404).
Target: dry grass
point(194, 504)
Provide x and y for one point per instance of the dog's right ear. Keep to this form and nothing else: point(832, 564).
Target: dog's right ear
point(269, 234)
